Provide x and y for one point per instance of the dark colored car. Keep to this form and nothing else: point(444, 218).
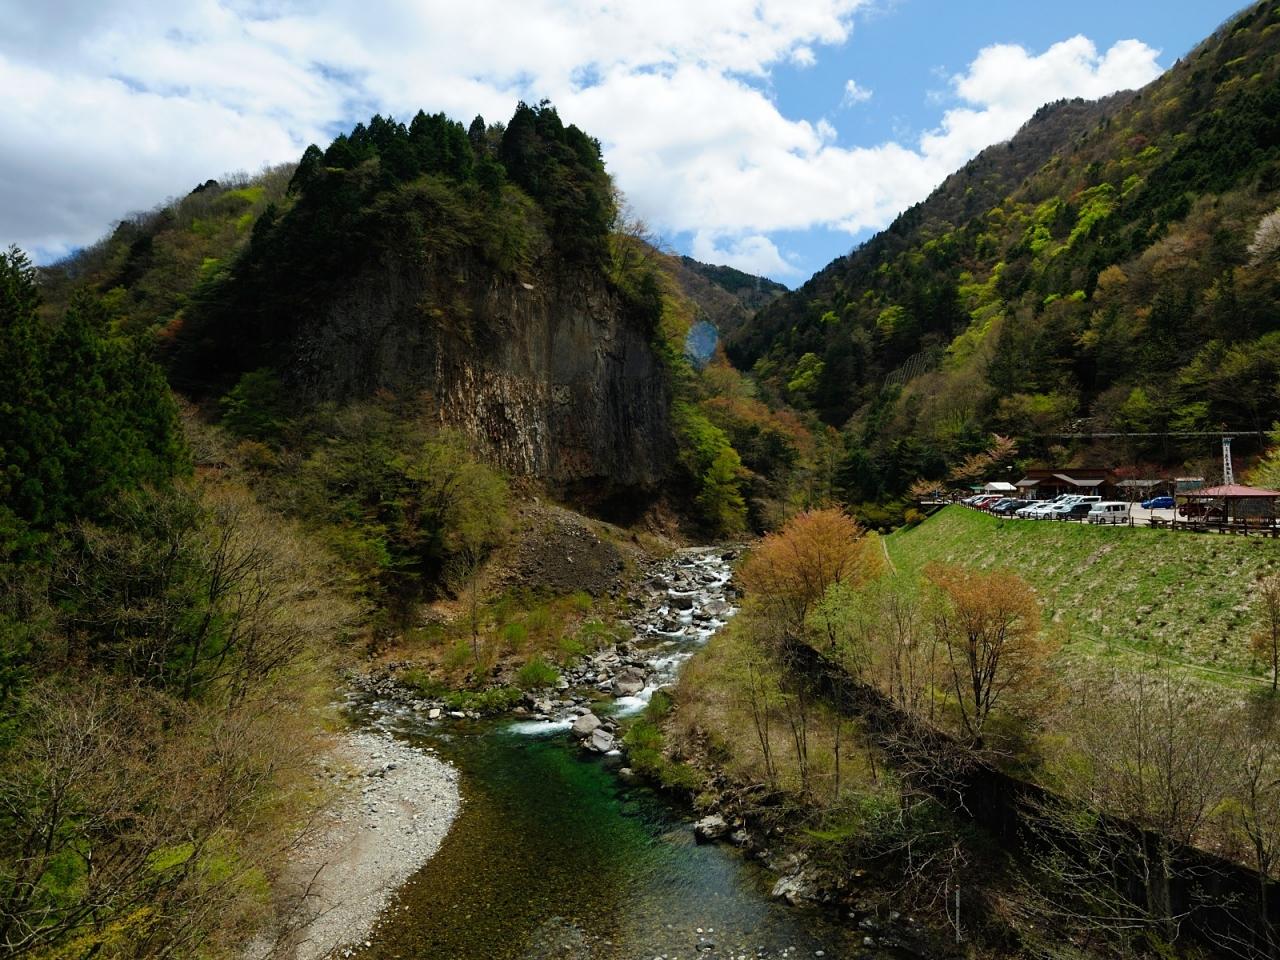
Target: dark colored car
point(1201, 511)
point(1008, 507)
point(1078, 511)
point(1158, 503)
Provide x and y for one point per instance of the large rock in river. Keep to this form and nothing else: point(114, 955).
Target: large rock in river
point(585, 725)
point(629, 682)
point(710, 828)
point(601, 741)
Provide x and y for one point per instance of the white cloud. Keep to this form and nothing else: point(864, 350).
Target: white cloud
point(1006, 85)
point(115, 104)
point(854, 93)
point(754, 253)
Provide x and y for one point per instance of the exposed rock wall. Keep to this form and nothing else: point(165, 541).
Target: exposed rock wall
point(551, 377)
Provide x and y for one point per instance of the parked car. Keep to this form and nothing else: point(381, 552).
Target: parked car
point(1109, 511)
point(1037, 511)
point(1158, 503)
point(1038, 508)
point(1010, 508)
point(1200, 511)
point(1070, 511)
point(997, 505)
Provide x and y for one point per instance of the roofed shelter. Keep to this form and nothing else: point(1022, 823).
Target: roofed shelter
point(1230, 507)
point(1045, 483)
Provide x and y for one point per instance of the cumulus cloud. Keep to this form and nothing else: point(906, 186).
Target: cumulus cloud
point(1006, 84)
point(854, 93)
point(116, 104)
point(754, 253)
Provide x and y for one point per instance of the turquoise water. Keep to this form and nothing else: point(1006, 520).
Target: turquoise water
point(552, 856)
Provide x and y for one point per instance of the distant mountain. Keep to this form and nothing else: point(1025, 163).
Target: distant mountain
point(723, 295)
point(752, 292)
point(1112, 268)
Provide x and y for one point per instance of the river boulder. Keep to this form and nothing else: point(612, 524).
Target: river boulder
point(710, 828)
point(794, 888)
point(585, 725)
point(629, 682)
point(601, 741)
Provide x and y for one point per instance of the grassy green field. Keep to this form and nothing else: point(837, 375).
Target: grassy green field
point(1114, 591)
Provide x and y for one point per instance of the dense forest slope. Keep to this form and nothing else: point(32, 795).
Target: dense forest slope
point(471, 266)
point(1110, 269)
point(487, 271)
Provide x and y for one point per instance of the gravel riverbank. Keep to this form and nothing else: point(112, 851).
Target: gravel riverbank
point(395, 805)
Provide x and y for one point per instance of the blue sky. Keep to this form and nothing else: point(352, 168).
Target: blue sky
point(905, 51)
point(728, 124)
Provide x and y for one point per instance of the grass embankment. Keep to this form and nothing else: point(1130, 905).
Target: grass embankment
point(1114, 591)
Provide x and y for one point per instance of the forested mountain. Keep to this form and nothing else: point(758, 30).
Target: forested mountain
point(730, 297)
point(484, 276)
point(1110, 269)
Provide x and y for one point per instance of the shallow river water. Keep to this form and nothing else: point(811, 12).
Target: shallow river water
point(553, 856)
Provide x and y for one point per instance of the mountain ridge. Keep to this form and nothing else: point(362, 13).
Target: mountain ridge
point(1094, 274)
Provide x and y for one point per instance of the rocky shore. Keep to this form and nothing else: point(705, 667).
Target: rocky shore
point(682, 602)
point(394, 805)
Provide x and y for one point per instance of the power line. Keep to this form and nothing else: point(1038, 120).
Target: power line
point(1165, 433)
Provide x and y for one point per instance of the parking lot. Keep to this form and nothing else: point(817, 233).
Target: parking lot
point(1096, 510)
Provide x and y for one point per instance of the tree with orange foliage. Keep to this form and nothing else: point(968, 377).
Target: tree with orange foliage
point(791, 570)
point(989, 625)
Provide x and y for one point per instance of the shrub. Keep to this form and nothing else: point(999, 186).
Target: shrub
point(459, 655)
point(497, 700)
point(514, 635)
point(422, 682)
point(535, 674)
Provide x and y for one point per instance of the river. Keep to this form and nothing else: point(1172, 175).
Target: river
point(553, 856)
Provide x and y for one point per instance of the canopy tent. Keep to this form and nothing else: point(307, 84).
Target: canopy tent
point(999, 486)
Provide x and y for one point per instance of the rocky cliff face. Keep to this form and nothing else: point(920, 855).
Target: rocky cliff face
point(552, 377)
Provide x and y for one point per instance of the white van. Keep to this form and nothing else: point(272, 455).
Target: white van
point(1109, 511)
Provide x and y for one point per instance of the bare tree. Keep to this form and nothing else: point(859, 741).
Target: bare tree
point(1146, 764)
point(463, 575)
point(1266, 638)
point(132, 820)
point(1254, 812)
